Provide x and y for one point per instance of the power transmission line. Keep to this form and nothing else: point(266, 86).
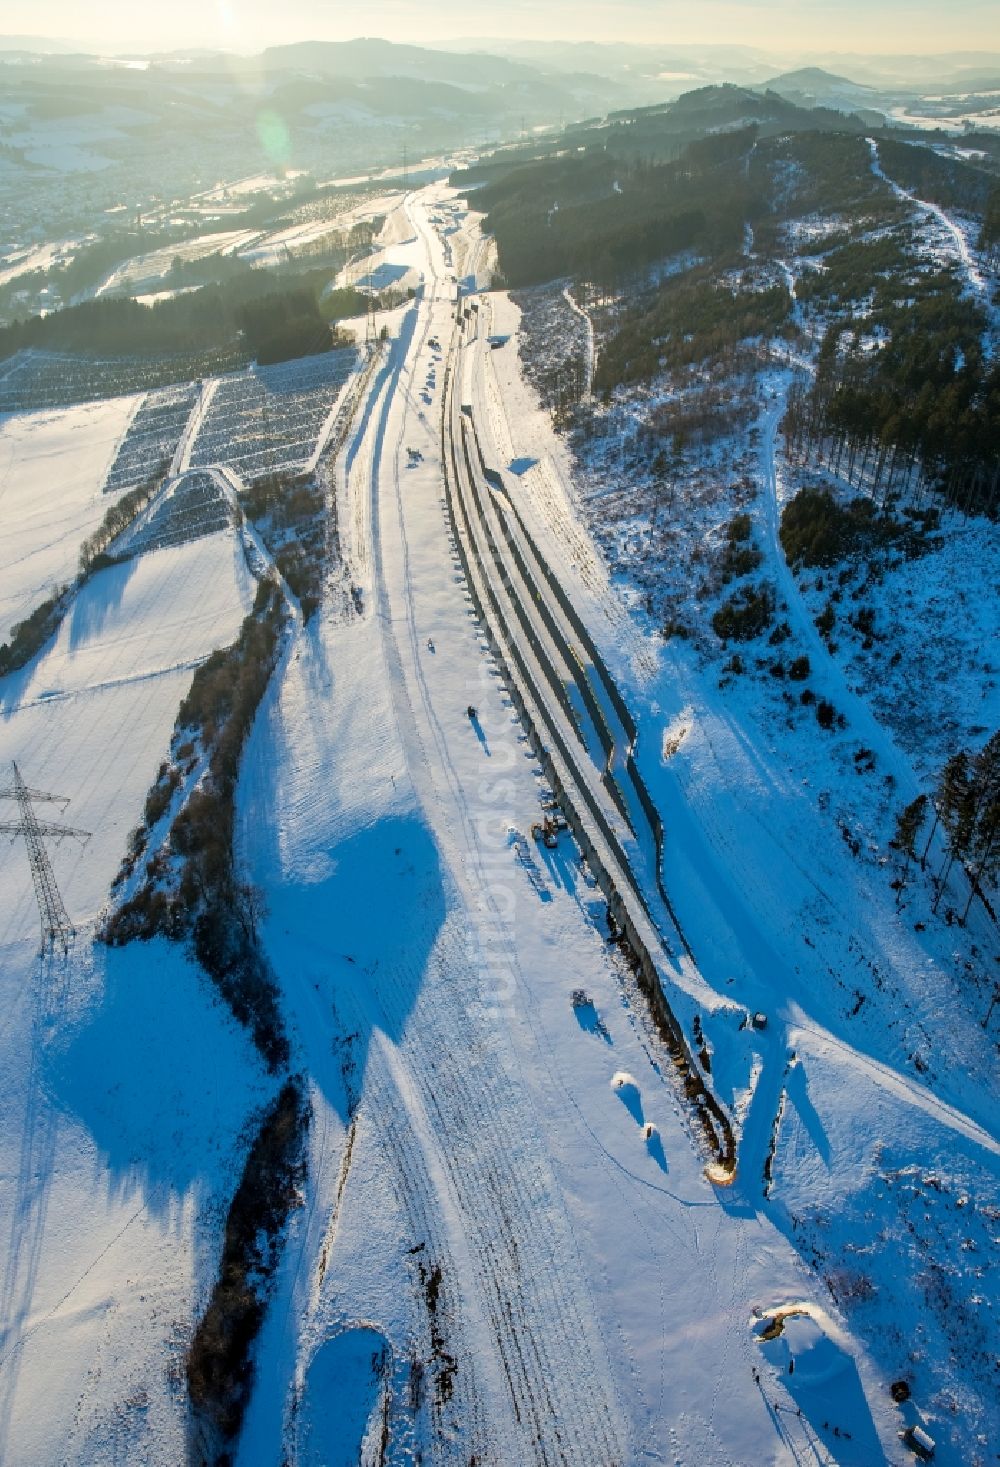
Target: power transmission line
point(56, 926)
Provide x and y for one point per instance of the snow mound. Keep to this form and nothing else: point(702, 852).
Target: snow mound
point(809, 1352)
point(795, 1342)
point(675, 733)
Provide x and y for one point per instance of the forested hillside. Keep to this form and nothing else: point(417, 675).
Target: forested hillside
point(677, 225)
point(261, 315)
point(593, 216)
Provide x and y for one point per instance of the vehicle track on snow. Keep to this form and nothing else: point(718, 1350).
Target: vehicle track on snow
point(494, 1175)
point(491, 582)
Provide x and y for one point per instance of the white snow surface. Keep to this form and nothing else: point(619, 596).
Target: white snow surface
point(465, 1111)
point(508, 1247)
point(759, 809)
point(52, 470)
point(126, 1086)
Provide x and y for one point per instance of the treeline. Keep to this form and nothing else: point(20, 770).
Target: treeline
point(200, 899)
point(117, 518)
point(219, 1363)
point(662, 132)
point(950, 182)
point(603, 220)
point(29, 636)
point(648, 135)
point(989, 237)
point(282, 325)
point(289, 511)
point(271, 315)
point(203, 320)
point(691, 318)
point(966, 806)
point(909, 401)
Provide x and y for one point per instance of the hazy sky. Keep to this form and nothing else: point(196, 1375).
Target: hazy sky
point(836, 25)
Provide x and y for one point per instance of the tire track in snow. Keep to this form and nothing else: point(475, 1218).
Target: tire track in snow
point(973, 275)
point(520, 1283)
point(547, 501)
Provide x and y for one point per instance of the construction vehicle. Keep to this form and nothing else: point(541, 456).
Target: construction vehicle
point(547, 831)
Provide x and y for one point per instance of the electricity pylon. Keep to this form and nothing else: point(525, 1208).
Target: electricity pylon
point(56, 926)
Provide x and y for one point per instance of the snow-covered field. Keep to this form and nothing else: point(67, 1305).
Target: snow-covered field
point(508, 1250)
point(958, 119)
point(126, 1086)
point(52, 472)
point(145, 270)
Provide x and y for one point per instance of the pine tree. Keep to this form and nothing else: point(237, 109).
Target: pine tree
point(956, 807)
point(908, 825)
point(984, 842)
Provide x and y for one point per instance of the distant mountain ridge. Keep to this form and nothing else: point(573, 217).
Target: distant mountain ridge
point(816, 80)
point(372, 56)
point(812, 86)
point(41, 45)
